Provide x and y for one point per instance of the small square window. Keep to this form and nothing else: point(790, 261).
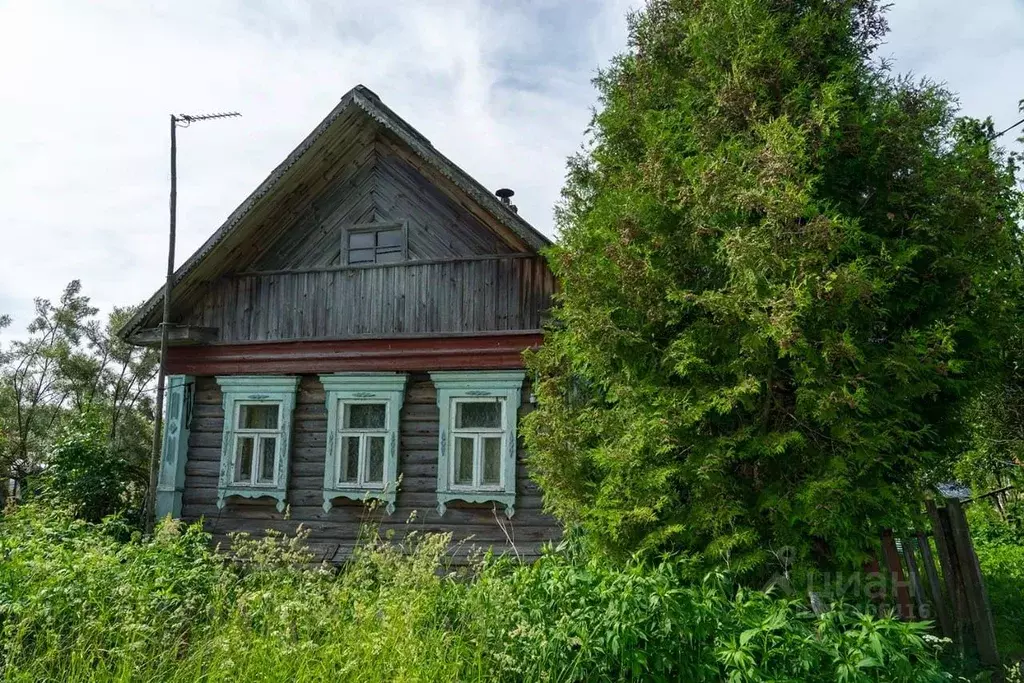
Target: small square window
point(370, 244)
point(365, 415)
point(389, 257)
point(361, 240)
point(478, 414)
point(360, 256)
point(389, 238)
point(257, 416)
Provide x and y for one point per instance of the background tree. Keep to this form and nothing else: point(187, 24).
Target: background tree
point(992, 455)
point(71, 365)
point(783, 272)
point(35, 378)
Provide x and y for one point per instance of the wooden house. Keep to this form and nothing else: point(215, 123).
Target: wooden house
point(353, 332)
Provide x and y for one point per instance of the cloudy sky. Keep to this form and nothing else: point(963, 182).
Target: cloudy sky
point(501, 87)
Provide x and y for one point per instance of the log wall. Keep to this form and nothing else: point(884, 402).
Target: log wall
point(474, 527)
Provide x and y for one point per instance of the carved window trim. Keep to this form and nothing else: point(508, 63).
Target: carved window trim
point(452, 387)
point(174, 455)
point(239, 390)
point(343, 388)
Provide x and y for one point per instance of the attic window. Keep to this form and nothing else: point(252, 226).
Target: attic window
point(376, 243)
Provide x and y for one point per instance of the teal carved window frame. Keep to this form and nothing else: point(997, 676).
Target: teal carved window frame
point(238, 390)
point(451, 386)
point(343, 388)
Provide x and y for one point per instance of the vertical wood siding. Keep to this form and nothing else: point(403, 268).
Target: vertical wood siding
point(334, 534)
point(496, 294)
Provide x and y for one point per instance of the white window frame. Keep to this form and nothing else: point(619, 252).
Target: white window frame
point(239, 390)
point(453, 387)
point(477, 434)
point(354, 388)
point(257, 435)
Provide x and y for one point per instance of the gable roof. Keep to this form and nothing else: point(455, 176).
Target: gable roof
point(367, 101)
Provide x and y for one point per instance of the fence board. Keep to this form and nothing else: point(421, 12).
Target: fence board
point(977, 594)
point(939, 603)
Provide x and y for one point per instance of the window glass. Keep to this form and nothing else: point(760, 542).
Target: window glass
point(268, 459)
point(478, 415)
point(349, 470)
point(375, 467)
point(376, 246)
point(464, 461)
point(254, 416)
point(360, 240)
point(243, 459)
point(389, 238)
point(356, 256)
point(365, 415)
point(389, 257)
point(492, 461)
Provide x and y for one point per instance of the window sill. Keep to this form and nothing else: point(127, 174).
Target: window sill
point(477, 496)
point(386, 495)
point(277, 493)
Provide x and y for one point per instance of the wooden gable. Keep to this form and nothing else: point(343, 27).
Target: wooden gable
point(275, 271)
point(381, 185)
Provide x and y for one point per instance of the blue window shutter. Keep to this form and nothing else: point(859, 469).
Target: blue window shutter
point(177, 419)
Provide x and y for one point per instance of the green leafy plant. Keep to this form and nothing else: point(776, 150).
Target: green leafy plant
point(78, 604)
point(783, 272)
point(86, 474)
point(999, 543)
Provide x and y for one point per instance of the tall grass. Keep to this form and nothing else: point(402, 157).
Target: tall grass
point(86, 602)
point(1000, 546)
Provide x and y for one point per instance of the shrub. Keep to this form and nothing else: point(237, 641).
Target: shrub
point(86, 474)
point(782, 271)
point(77, 604)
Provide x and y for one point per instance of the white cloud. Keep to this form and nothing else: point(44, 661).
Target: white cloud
point(501, 88)
point(87, 89)
point(975, 49)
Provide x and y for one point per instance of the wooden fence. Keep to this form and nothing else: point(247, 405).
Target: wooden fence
point(936, 575)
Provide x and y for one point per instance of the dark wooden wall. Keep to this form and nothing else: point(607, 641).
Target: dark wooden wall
point(380, 185)
point(427, 297)
point(474, 526)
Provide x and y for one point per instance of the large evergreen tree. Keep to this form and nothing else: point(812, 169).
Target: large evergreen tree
point(783, 269)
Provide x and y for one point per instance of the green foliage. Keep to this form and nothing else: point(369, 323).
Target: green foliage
point(992, 455)
point(70, 364)
point(783, 272)
point(989, 527)
point(999, 543)
point(88, 476)
point(76, 604)
point(1003, 569)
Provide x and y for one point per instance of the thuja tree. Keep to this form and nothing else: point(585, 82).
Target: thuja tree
point(782, 270)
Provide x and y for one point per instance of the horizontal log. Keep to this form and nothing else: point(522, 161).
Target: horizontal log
point(417, 354)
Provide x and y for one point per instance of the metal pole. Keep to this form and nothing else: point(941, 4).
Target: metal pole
point(158, 418)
